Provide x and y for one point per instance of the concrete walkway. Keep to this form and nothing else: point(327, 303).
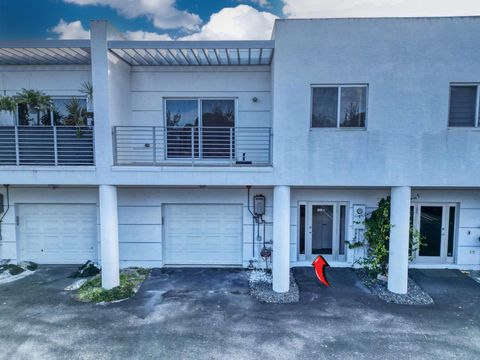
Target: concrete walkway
point(208, 314)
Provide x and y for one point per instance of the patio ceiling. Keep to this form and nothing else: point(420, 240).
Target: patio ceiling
point(45, 52)
point(194, 53)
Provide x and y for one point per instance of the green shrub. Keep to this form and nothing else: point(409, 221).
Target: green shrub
point(377, 237)
point(14, 269)
point(130, 280)
point(31, 266)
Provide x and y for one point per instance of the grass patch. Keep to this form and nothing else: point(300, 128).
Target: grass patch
point(130, 281)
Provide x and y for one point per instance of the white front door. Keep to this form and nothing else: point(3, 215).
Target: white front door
point(206, 234)
point(57, 233)
point(437, 225)
point(322, 231)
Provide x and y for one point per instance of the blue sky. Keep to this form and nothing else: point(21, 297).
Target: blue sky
point(197, 19)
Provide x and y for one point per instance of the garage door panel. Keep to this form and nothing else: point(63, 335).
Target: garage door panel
point(203, 234)
point(57, 233)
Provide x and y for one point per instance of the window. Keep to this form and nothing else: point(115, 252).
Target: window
point(464, 106)
point(200, 128)
point(343, 106)
point(65, 111)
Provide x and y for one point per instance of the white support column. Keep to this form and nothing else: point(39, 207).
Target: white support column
point(281, 238)
point(109, 236)
point(399, 239)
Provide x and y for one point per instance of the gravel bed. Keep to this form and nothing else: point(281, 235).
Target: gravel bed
point(261, 288)
point(414, 296)
point(475, 275)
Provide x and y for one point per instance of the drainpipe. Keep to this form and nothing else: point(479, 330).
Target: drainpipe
point(6, 210)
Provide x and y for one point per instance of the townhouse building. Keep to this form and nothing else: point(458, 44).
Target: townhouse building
point(245, 153)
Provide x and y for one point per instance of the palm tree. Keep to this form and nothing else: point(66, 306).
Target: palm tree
point(87, 88)
point(8, 103)
point(77, 113)
point(34, 100)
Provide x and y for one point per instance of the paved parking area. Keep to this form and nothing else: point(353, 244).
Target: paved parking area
point(208, 314)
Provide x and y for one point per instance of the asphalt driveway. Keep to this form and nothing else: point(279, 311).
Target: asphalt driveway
point(208, 314)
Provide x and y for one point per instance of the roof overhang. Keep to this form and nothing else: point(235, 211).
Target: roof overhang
point(194, 53)
point(45, 52)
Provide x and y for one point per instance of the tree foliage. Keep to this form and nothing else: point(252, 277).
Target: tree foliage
point(377, 237)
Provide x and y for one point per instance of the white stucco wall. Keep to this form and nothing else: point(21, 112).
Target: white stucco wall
point(139, 216)
point(466, 245)
point(141, 229)
point(151, 85)
point(408, 65)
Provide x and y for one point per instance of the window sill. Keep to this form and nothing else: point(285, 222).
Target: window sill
point(463, 128)
point(337, 129)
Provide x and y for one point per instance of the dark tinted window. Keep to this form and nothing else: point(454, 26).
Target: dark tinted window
point(463, 104)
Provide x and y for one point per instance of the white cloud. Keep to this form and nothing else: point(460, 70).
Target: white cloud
point(238, 23)
point(72, 30)
point(145, 35)
point(163, 13)
point(262, 3)
point(376, 8)
point(75, 30)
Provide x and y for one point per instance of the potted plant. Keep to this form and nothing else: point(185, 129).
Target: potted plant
point(77, 115)
point(35, 101)
point(86, 88)
point(8, 104)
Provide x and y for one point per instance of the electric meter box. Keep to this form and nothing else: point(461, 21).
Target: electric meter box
point(259, 205)
point(359, 216)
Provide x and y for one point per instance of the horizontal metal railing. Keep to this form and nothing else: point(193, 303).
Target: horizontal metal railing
point(46, 145)
point(154, 145)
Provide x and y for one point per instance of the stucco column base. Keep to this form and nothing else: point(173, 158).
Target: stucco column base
point(399, 239)
point(109, 236)
point(281, 239)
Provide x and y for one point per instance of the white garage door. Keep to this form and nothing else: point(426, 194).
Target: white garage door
point(203, 234)
point(57, 233)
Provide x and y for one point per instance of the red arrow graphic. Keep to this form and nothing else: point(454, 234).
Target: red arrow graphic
point(319, 265)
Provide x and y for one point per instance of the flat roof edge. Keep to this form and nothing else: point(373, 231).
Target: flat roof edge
point(180, 44)
point(435, 17)
point(12, 44)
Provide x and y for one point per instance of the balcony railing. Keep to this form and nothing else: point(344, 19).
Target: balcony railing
point(46, 145)
point(217, 146)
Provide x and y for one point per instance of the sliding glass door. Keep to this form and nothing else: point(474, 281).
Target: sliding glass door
point(200, 128)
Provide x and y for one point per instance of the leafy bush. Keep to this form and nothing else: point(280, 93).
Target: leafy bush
point(31, 266)
point(130, 281)
point(377, 237)
point(14, 269)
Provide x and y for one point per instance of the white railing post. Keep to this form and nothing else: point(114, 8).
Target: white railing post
point(114, 145)
point(165, 144)
point(231, 145)
point(154, 145)
point(55, 147)
point(192, 134)
point(17, 147)
point(270, 150)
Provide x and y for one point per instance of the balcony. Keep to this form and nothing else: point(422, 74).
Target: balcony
point(46, 145)
point(192, 146)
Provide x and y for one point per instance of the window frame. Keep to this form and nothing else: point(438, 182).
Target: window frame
point(199, 107)
point(339, 101)
point(199, 116)
point(476, 124)
point(336, 256)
